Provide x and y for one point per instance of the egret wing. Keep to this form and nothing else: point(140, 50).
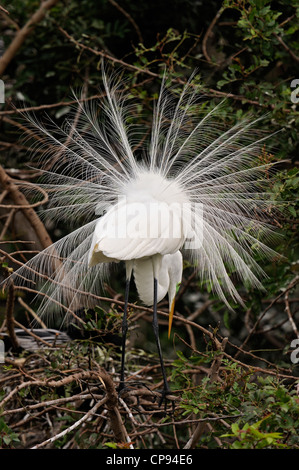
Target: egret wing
point(136, 230)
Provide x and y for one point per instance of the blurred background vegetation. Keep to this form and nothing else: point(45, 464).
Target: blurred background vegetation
point(245, 49)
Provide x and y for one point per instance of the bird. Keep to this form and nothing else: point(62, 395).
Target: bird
point(197, 191)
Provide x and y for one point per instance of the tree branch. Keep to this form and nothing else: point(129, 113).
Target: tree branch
point(21, 202)
point(22, 34)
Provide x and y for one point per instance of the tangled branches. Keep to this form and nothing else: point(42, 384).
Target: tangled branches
point(59, 394)
point(66, 395)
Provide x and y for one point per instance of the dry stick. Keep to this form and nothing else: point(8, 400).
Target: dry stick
point(84, 418)
point(29, 309)
point(14, 123)
point(30, 333)
point(43, 107)
point(3, 195)
point(117, 425)
point(68, 310)
point(7, 223)
point(22, 34)
point(214, 376)
point(156, 75)
point(208, 33)
point(253, 329)
point(3, 9)
point(87, 374)
point(9, 20)
point(149, 310)
point(175, 318)
point(56, 401)
point(129, 17)
point(15, 241)
point(242, 364)
point(9, 316)
point(215, 367)
point(28, 206)
point(134, 423)
point(20, 200)
point(109, 57)
point(48, 106)
point(286, 47)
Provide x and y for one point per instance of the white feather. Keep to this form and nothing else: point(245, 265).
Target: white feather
point(190, 160)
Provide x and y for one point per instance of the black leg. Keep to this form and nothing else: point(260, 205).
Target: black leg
point(166, 388)
point(124, 337)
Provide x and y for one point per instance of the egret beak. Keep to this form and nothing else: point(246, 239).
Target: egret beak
point(171, 310)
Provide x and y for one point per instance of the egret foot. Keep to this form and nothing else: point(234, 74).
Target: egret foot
point(122, 388)
point(165, 398)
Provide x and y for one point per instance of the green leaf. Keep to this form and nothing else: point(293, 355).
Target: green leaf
point(292, 211)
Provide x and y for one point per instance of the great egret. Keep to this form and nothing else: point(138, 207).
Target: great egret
point(198, 189)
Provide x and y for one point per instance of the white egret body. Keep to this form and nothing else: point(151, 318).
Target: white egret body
point(146, 230)
point(199, 190)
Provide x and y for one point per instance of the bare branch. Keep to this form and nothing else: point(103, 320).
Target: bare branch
point(22, 34)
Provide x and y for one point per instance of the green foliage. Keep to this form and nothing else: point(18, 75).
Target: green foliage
point(8, 438)
point(250, 437)
point(264, 410)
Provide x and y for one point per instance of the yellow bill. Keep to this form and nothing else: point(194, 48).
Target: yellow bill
point(171, 310)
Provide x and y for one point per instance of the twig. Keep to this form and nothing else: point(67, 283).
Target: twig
point(27, 206)
point(7, 223)
point(208, 33)
point(20, 200)
point(117, 425)
point(22, 34)
point(68, 310)
point(9, 316)
point(23, 129)
point(129, 17)
point(134, 422)
point(215, 367)
point(3, 195)
point(56, 401)
point(156, 75)
point(3, 9)
point(84, 418)
point(30, 333)
point(107, 56)
point(83, 375)
point(253, 329)
point(292, 54)
point(49, 106)
point(8, 19)
point(29, 309)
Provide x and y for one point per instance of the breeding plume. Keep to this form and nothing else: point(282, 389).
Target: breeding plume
point(196, 191)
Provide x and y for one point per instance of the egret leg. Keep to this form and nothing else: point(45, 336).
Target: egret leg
point(166, 388)
point(124, 336)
